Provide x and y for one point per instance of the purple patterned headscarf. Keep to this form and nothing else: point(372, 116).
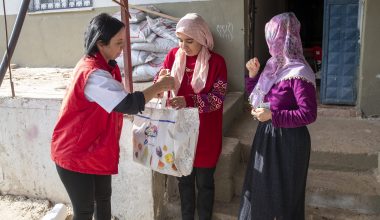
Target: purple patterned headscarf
point(282, 34)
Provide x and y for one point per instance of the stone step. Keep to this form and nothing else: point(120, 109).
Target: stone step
point(336, 214)
point(230, 210)
point(222, 210)
point(227, 210)
point(361, 183)
point(354, 191)
point(243, 128)
point(338, 111)
point(343, 161)
point(345, 135)
point(239, 178)
point(232, 108)
point(332, 160)
point(226, 168)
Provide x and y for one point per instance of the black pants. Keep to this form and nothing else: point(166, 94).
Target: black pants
point(204, 180)
point(88, 192)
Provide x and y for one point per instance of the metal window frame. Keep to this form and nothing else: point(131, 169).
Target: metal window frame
point(49, 5)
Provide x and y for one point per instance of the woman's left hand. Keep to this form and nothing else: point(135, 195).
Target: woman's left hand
point(177, 102)
point(262, 114)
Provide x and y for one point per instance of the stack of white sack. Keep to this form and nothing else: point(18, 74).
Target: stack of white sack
point(151, 39)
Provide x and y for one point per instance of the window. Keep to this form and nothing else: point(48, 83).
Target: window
point(45, 5)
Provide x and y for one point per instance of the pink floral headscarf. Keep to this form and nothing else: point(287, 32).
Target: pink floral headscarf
point(282, 34)
point(195, 27)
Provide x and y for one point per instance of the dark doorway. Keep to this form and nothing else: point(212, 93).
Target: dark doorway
point(310, 14)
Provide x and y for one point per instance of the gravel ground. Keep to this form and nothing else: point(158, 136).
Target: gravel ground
point(23, 208)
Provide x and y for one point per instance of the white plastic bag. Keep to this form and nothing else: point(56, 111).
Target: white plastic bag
point(165, 140)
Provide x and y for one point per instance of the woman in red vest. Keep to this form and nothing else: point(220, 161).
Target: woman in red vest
point(200, 81)
point(85, 142)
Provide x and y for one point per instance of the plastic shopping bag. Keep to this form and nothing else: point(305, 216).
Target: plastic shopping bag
point(165, 139)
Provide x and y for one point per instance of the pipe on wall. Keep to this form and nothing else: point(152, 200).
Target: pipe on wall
point(14, 38)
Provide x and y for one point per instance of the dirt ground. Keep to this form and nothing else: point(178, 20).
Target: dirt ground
point(43, 82)
point(37, 82)
point(23, 208)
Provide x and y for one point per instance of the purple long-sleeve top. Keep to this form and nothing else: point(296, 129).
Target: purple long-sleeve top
point(293, 101)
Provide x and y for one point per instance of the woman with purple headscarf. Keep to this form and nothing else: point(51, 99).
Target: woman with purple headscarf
point(283, 99)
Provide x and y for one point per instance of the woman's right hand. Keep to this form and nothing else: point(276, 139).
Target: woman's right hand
point(163, 72)
point(165, 82)
point(253, 66)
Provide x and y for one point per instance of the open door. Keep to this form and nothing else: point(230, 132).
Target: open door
point(340, 52)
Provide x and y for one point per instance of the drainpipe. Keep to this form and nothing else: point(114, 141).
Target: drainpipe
point(13, 39)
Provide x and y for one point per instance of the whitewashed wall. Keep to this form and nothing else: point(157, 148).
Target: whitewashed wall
point(26, 169)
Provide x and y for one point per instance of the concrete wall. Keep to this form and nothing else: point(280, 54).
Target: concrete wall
point(56, 39)
point(369, 79)
point(51, 39)
point(26, 168)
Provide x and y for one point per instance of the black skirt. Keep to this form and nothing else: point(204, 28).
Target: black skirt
point(275, 180)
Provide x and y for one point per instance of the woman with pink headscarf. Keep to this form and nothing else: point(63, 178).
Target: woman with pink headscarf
point(200, 81)
point(283, 99)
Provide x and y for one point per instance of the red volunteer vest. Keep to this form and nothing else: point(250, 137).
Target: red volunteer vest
point(86, 137)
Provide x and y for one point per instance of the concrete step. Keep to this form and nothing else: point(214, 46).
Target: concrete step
point(239, 178)
point(230, 210)
point(338, 111)
point(345, 135)
point(226, 168)
point(344, 161)
point(222, 210)
point(361, 183)
point(336, 214)
point(232, 108)
point(172, 210)
point(243, 128)
point(338, 161)
point(227, 210)
point(353, 191)
point(229, 158)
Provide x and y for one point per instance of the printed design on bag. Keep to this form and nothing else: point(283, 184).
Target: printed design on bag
point(161, 165)
point(166, 146)
point(151, 130)
point(169, 158)
point(174, 167)
point(158, 151)
point(137, 145)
